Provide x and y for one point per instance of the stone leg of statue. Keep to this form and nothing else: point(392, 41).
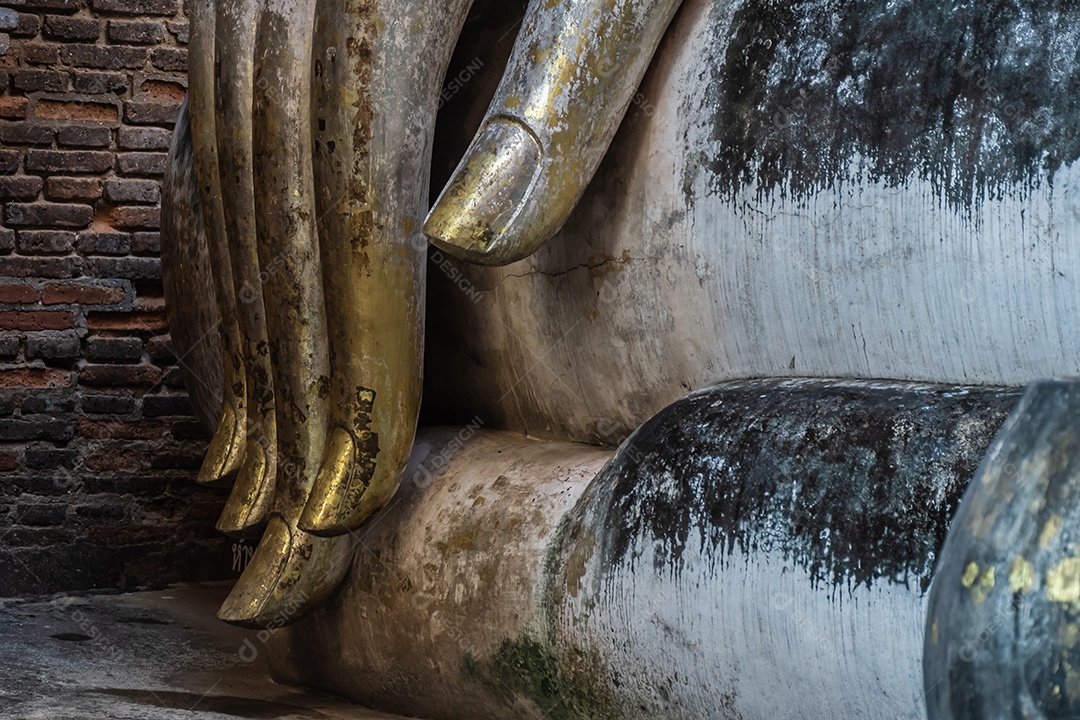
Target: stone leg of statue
point(250, 502)
point(377, 74)
point(291, 571)
point(571, 78)
point(227, 446)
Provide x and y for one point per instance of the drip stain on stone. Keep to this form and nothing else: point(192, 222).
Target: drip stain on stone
point(854, 482)
point(976, 97)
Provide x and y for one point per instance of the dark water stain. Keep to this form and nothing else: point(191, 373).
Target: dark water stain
point(854, 482)
point(141, 620)
point(71, 637)
point(976, 97)
point(240, 707)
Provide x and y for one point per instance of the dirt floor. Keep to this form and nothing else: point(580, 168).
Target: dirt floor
point(144, 656)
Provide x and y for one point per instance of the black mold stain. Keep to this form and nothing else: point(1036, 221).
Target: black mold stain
point(976, 97)
point(855, 482)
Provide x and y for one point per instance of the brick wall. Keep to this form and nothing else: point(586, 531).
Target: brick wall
point(98, 447)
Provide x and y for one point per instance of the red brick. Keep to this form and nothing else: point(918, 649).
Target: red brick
point(24, 133)
point(18, 294)
point(137, 7)
point(47, 214)
point(112, 460)
point(116, 375)
point(8, 460)
point(76, 110)
point(41, 53)
point(65, 294)
point(113, 430)
point(72, 28)
point(13, 107)
point(106, 57)
point(59, 268)
point(40, 81)
point(135, 32)
point(145, 164)
point(151, 112)
point(73, 188)
point(36, 320)
point(134, 218)
point(34, 378)
point(20, 187)
point(127, 322)
point(45, 242)
point(74, 161)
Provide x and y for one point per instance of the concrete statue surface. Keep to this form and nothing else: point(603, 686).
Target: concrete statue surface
point(715, 308)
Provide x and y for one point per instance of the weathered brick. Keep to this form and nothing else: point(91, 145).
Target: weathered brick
point(9, 348)
point(40, 81)
point(146, 243)
point(109, 460)
point(159, 350)
point(135, 32)
point(48, 214)
point(118, 375)
point(45, 242)
point(25, 133)
point(60, 27)
point(50, 458)
point(75, 161)
point(20, 187)
point(69, 294)
point(13, 107)
point(85, 136)
point(169, 59)
point(109, 404)
point(49, 401)
point(166, 405)
point(7, 240)
point(41, 267)
point(34, 378)
point(29, 26)
point(73, 188)
point(129, 268)
point(98, 83)
point(136, 7)
point(36, 320)
point(178, 460)
point(151, 112)
point(189, 430)
point(18, 293)
point(18, 430)
point(142, 164)
point(9, 161)
point(127, 322)
point(9, 460)
point(144, 138)
point(106, 57)
point(40, 514)
point(104, 243)
point(75, 109)
point(114, 349)
point(9, 19)
point(58, 5)
point(135, 218)
point(180, 30)
point(120, 191)
point(37, 53)
point(52, 346)
point(173, 378)
point(113, 430)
